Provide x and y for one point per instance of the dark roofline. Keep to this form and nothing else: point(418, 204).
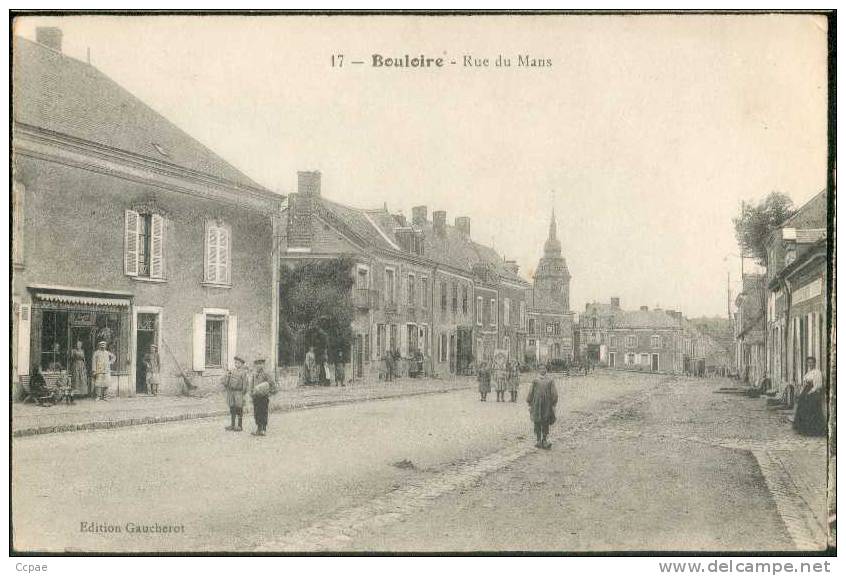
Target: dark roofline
point(806, 257)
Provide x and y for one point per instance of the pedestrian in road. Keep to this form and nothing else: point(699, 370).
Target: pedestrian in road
point(396, 358)
point(236, 383)
point(152, 366)
point(310, 367)
point(387, 359)
point(263, 387)
point(500, 374)
point(101, 369)
point(339, 368)
point(542, 399)
point(79, 371)
point(513, 379)
point(483, 375)
point(809, 419)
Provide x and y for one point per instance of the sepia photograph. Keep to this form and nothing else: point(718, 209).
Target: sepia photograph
point(423, 283)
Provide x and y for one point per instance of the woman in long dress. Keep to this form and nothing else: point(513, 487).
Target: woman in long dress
point(542, 399)
point(513, 379)
point(810, 419)
point(79, 371)
point(483, 375)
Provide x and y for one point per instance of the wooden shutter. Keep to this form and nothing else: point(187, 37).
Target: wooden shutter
point(23, 339)
point(199, 342)
point(130, 245)
point(223, 255)
point(231, 340)
point(211, 252)
point(157, 235)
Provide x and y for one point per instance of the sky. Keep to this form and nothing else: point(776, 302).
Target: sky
point(644, 134)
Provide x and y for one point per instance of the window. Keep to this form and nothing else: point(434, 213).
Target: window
point(54, 340)
point(443, 297)
point(549, 328)
point(362, 278)
point(480, 310)
point(380, 339)
point(631, 341)
point(656, 341)
point(218, 261)
point(411, 290)
point(531, 325)
point(454, 297)
point(493, 312)
point(523, 314)
point(143, 251)
point(390, 286)
point(612, 341)
point(506, 312)
point(214, 341)
point(644, 359)
point(556, 328)
point(424, 292)
point(464, 296)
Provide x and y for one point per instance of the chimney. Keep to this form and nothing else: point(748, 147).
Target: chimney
point(400, 218)
point(644, 308)
point(512, 266)
point(308, 183)
point(462, 223)
point(419, 215)
point(50, 37)
point(439, 222)
point(615, 303)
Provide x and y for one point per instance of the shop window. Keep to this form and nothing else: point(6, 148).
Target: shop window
point(218, 261)
point(54, 339)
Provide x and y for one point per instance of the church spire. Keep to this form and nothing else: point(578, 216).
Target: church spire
point(553, 245)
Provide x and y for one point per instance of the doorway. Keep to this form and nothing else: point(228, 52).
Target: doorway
point(612, 359)
point(452, 351)
point(146, 334)
point(655, 362)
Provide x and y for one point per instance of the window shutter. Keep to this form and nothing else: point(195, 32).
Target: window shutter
point(130, 246)
point(231, 340)
point(211, 253)
point(157, 232)
point(404, 339)
point(23, 339)
point(223, 255)
point(199, 342)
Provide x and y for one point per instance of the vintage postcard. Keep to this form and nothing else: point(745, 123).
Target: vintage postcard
point(422, 283)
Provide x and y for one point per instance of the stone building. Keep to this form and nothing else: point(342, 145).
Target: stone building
point(749, 329)
point(129, 231)
point(550, 323)
point(419, 285)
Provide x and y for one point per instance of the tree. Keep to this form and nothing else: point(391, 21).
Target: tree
point(315, 309)
point(757, 221)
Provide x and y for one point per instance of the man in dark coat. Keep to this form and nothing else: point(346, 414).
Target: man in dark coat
point(542, 399)
point(262, 389)
point(236, 382)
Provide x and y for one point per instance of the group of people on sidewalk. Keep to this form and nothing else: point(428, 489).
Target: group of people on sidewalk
point(542, 398)
point(258, 384)
point(74, 382)
point(317, 372)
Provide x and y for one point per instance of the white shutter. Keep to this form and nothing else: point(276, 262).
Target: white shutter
point(223, 255)
point(211, 253)
point(130, 245)
point(157, 239)
point(231, 340)
point(199, 342)
point(23, 339)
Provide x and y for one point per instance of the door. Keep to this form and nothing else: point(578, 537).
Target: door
point(146, 334)
point(612, 359)
point(655, 362)
point(452, 351)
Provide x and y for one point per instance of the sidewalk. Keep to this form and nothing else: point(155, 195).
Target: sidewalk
point(30, 419)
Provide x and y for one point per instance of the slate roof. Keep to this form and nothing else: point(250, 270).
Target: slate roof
point(58, 93)
point(373, 226)
point(812, 214)
point(645, 319)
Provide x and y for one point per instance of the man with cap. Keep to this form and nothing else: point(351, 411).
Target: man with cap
point(263, 387)
point(101, 369)
point(236, 383)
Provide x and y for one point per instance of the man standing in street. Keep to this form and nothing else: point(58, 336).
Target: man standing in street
point(101, 369)
point(152, 365)
point(263, 388)
point(236, 382)
point(542, 399)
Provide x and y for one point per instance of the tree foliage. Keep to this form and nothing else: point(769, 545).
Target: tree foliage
point(315, 309)
point(756, 221)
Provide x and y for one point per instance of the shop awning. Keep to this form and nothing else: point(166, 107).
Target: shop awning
point(84, 300)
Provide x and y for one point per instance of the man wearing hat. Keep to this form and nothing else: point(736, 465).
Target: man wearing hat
point(101, 369)
point(263, 387)
point(152, 365)
point(236, 382)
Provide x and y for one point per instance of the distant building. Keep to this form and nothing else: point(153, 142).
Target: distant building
point(750, 352)
point(550, 324)
point(129, 231)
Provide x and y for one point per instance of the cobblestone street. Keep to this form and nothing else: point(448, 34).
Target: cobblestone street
point(639, 461)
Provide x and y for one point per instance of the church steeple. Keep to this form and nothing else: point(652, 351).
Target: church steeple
point(552, 247)
point(552, 278)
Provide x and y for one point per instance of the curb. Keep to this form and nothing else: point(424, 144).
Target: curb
point(109, 424)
